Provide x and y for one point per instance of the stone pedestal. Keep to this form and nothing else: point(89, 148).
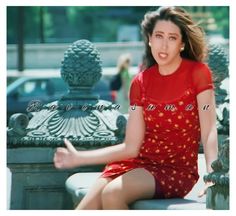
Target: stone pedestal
point(218, 194)
point(36, 184)
point(217, 198)
point(79, 116)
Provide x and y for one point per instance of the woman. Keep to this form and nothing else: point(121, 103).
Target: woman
point(173, 107)
point(122, 96)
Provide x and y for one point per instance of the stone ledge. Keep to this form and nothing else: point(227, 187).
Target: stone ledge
point(160, 204)
point(169, 204)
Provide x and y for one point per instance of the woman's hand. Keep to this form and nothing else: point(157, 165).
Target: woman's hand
point(207, 185)
point(66, 158)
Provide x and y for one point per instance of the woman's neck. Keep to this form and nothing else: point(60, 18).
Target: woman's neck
point(170, 68)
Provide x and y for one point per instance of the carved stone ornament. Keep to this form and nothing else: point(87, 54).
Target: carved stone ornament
point(218, 195)
point(79, 115)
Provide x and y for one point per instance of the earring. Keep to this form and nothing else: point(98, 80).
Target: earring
point(149, 43)
point(181, 49)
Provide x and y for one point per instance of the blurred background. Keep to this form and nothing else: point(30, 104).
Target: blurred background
point(38, 36)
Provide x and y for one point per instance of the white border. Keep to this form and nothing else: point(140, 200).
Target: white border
point(5, 3)
point(117, 2)
point(3, 108)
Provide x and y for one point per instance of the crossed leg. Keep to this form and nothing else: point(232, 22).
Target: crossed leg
point(120, 192)
point(92, 200)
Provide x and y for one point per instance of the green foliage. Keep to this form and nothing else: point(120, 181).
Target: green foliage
point(11, 24)
point(95, 23)
point(48, 24)
point(221, 16)
point(31, 24)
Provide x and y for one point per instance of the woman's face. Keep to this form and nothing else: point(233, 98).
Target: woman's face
point(166, 42)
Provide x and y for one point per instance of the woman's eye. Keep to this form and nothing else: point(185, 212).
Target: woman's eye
point(158, 36)
point(172, 38)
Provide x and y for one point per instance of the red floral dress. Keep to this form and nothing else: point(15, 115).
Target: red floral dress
point(170, 147)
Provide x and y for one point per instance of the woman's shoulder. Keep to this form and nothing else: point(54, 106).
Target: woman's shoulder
point(145, 74)
point(196, 69)
point(201, 75)
point(195, 65)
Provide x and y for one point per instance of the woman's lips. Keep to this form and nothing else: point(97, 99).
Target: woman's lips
point(162, 55)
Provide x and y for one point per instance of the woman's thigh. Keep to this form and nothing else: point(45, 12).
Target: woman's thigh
point(131, 186)
point(92, 200)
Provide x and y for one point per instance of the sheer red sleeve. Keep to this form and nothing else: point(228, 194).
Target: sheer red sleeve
point(202, 78)
point(135, 95)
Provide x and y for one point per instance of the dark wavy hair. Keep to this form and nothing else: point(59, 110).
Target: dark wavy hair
point(192, 34)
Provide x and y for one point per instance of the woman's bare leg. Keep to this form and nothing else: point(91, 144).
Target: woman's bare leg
point(127, 188)
point(92, 199)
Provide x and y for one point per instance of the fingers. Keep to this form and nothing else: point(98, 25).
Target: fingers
point(204, 191)
point(201, 193)
point(62, 155)
point(69, 145)
point(57, 161)
point(57, 164)
point(61, 150)
point(58, 157)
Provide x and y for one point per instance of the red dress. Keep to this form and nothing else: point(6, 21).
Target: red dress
point(170, 147)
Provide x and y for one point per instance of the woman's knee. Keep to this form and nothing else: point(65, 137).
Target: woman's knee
point(111, 194)
point(92, 199)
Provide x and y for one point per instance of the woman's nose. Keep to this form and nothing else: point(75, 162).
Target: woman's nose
point(164, 44)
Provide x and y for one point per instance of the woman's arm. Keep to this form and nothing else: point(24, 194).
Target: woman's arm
point(207, 116)
point(69, 157)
